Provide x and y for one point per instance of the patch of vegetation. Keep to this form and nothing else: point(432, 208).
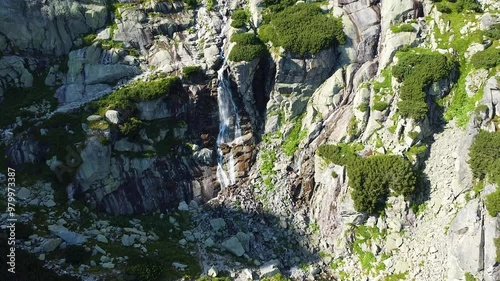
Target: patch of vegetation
point(365, 235)
point(352, 127)
point(403, 28)
point(416, 70)
point(485, 155)
point(443, 8)
point(290, 145)
point(248, 47)
point(386, 85)
point(210, 5)
point(493, 203)
point(496, 241)
point(494, 32)
point(396, 277)
point(76, 255)
point(17, 100)
point(416, 151)
point(192, 71)
point(341, 154)
point(191, 3)
point(374, 178)
point(131, 127)
point(469, 277)
point(146, 271)
point(89, 39)
point(124, 97)
point(363, 107)
point(266, 168)
point(487, 59)
point(302, 28)
point(277, 277)
point(380, 106)
point(239, 18)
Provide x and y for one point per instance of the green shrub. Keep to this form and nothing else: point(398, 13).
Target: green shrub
point(131, 127)
point(372, 179)
point(248, 47)
point(403, 28)
point(341, 154)
point(363, 107)
point(497, 246)
point(417, 70)
point(210, 5)
point(304, 29)
point(485, 154)
point(277, 277)
point(469, 5)
point(76, 255)
point(443, 8)
point(468, 275)
point(191, 71)
point(493, 203)
point(486, 59)
point(494, 32)
point(89, 39)
point(191, 3)
point(239, 18)
point(380, 106)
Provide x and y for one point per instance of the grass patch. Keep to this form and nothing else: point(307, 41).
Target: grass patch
point(290, 145)
point(403, 28)
point(268, 158)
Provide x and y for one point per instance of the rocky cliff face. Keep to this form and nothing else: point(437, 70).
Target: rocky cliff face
point(290, 210)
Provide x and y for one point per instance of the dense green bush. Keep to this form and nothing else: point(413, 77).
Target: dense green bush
point(191, 71)
point(494, 32)
point(496, 241)
point(374, 178)
point(131, 127)
point(239, 18)
point(76, 255)
point(493, 203)
point(486, 59)
point(443, 8)
point(469, 5)
point(417, 71)
point(403, 28)
point(303, 29)
point(248, 47)
point(485, 154)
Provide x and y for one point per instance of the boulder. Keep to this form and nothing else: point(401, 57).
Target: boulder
point(218, 224)
point(269, 268)
point(51, 245)
point(70, 237)
point(112, 116)
point(234, 246)
point(128, 240)
point(23, 193)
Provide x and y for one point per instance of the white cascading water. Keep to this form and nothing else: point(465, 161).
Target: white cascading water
point(229, 120)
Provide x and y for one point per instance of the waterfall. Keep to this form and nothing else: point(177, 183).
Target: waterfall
point(229, 120)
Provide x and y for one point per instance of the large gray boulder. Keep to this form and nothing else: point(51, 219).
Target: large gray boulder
point(70, 237)
point(466, 251)
point(234, 246)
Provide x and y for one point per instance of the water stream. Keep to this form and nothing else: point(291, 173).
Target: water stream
point(229, 120)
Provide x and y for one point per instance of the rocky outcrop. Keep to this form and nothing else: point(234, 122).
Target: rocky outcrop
point(49, 27)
